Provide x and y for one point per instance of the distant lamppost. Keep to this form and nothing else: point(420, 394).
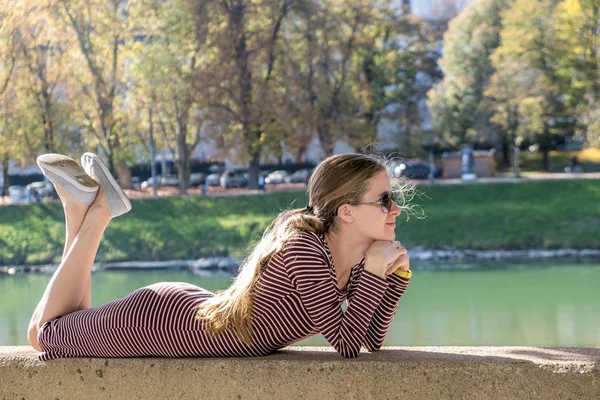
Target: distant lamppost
point(467, 163)
point(516, 149)
point(152, 154)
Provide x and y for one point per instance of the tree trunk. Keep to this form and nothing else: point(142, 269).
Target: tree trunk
point(123, 173)
point(183, 162)
point(545, 144)
point(545, 160)
point(253, 171)
point(47, 121)
point(5, 176)
point(250, 133)
point(300, 155)
point(280, 151)
point(120, 168)
point(48, 135)
point(325, 138)
point(505, 154)
point(152, 154)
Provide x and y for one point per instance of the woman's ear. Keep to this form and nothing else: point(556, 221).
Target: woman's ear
point(345, 213)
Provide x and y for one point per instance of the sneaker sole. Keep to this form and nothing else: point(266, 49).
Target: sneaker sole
point(83, 189)
point(59, 172)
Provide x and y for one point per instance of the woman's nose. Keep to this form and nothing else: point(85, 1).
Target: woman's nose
point(395, 210)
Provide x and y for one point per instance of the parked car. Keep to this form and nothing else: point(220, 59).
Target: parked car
point(197, 179)
point(18, 194)
point(168, 180)
point(44, 189)
point(231, 179)
point(148, 183)
point(300, 176)
point(276, 177)
point(213, 180)
point(416, 170)
point(136, 182)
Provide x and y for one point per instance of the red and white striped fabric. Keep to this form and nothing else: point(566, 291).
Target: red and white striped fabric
point(297, 297)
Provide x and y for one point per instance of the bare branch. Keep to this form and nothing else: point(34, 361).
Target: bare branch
point(223, 107)
point(285, 7)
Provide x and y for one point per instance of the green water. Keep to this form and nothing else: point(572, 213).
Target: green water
point(524, 305)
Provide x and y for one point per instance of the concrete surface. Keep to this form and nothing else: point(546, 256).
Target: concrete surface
point(313, 373)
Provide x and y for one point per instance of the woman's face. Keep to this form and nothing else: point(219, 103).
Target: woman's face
point(370, 218)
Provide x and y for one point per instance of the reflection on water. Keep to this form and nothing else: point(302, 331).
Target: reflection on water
point(522, 304)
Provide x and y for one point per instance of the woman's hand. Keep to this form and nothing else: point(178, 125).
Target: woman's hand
point(384, 257)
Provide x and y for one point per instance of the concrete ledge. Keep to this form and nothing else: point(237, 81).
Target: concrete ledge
point(313, 373)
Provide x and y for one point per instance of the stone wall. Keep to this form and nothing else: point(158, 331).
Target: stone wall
point(313, 373)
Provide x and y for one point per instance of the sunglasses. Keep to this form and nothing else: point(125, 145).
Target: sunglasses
point(386, 202)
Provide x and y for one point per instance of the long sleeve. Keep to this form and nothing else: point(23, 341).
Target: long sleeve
point(307, 266)
point(383, 316)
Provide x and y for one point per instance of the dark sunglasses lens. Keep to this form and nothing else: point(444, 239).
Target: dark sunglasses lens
point(386, 203)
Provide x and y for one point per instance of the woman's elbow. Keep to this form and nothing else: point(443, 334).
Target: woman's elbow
point(32, 337)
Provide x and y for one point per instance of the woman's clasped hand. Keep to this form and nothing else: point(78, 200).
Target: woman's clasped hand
point(384, 257)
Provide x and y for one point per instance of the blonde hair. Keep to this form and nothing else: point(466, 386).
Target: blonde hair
point(337, 180)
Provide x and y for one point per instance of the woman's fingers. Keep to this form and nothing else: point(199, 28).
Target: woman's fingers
point(402, 262)
point(383, 257)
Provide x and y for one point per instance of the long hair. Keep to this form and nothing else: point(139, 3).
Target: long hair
point(337, 180)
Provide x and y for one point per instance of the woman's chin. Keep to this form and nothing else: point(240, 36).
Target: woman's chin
point(391, 236)
point(387, 235)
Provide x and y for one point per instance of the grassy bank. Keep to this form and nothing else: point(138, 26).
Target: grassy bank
point(549, 214)
point(557, 160)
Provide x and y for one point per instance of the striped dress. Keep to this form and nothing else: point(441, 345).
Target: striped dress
point(297, 296)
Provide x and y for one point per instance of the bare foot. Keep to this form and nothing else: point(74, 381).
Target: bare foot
point(99, 210)
point(74, 209)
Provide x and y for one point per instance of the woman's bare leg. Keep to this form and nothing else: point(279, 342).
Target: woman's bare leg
point(74, 214)
point(67, 287)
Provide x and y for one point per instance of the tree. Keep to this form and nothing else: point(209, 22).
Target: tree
point(577, 40)
point(168, 58)
point(455, 101)
point(246, 41)
point(338, 28)
point(41, 51)
point(10, 16)
point(411, 65)
point(100, 34)
point(524, 61)
point(356, 64)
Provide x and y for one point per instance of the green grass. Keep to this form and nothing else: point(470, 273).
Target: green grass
point(546, 214)
point(542, 214)
point(557, 160)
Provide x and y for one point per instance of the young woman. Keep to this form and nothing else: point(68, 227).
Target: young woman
point(341, 247)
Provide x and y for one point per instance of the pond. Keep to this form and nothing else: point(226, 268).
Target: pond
point(521, 304)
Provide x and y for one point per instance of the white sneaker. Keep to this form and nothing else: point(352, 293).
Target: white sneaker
point(118, 202)
point(66, 173)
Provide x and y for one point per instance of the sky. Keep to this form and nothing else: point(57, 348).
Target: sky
point(423, 8)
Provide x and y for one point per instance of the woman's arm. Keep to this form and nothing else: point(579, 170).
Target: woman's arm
point(307, 267)
point(383, 316)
